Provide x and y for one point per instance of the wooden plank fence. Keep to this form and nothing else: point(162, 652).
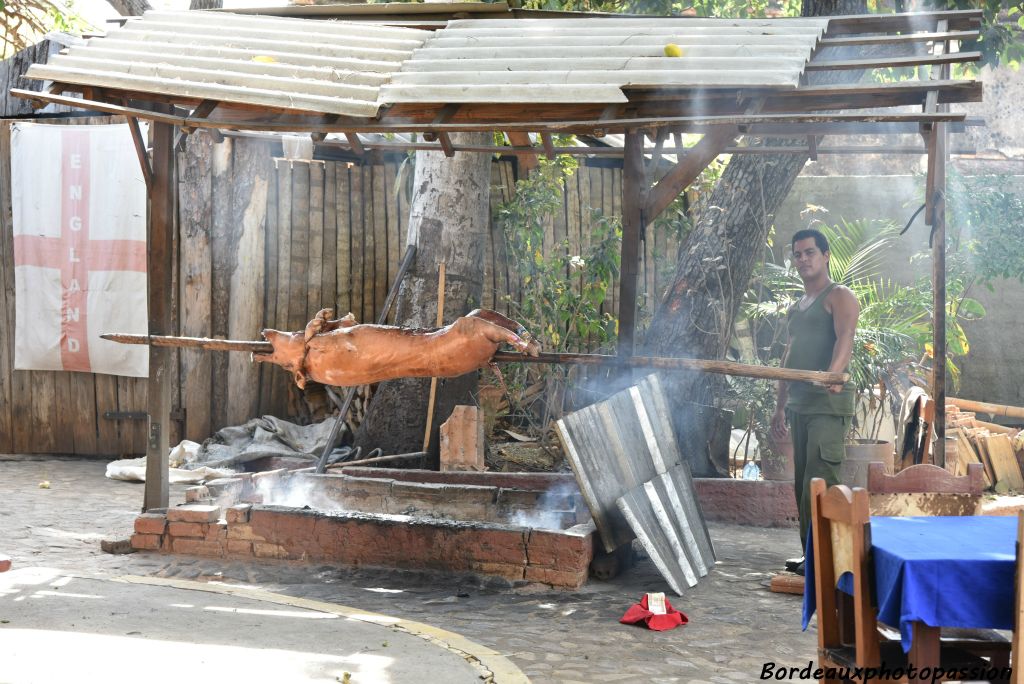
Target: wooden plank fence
point(264, 242)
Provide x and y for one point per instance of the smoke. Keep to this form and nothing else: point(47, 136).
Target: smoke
point(295, 491)
point(555, 510)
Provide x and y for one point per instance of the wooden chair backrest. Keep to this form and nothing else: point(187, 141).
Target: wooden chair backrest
point(925, 478)
point(841, 537)
point(1017, 643)
point(925, 489)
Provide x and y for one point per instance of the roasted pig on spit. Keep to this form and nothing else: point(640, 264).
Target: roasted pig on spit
point(342, 353)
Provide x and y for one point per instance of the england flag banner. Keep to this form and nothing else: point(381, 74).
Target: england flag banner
point(79, 201)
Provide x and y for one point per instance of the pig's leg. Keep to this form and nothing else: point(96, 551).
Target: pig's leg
point(525, 344)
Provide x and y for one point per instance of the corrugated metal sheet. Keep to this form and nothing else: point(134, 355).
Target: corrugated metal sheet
point(573, 60)
point(351, 69)
point(320, 66)
point(667, 520)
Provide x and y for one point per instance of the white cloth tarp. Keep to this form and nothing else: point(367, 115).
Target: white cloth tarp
point(79, 201)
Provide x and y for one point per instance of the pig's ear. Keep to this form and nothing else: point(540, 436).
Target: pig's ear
point(300, 379)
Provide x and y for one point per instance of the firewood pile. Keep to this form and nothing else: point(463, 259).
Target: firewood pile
point(1000, 449)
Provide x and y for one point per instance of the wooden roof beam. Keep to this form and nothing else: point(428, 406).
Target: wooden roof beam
point(906, 21)
point(887, 62)
point(928, 37)
point(583, 125)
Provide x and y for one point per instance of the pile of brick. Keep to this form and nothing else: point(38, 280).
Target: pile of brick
point(220, 520)
point(556, 558)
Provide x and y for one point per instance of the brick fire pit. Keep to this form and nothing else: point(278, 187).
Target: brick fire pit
point(531, 527)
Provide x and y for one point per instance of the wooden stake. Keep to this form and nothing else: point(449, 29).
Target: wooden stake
point(433, 381)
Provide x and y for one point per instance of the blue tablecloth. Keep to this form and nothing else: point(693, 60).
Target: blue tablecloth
point(943, 571)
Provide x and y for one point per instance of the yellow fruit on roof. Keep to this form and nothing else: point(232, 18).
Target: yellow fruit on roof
point(673, 50)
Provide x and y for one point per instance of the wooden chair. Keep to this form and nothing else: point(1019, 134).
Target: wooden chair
point(848, 629)
point(925, 490)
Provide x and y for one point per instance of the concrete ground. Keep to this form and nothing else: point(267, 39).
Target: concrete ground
point(258, 608)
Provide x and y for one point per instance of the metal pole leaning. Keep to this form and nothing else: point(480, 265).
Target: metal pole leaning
point(321, 466)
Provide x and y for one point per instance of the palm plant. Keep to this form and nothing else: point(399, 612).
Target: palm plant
point(895, 319)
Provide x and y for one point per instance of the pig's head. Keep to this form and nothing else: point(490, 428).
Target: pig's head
point(289, 352)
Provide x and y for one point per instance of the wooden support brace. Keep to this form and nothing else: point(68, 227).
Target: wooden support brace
point(527, 162)
point(659, 143)
point(140, 150)
point(688, 168)
point(202, 110)
point(355, 143)
point(444, 116)
point(549, 146)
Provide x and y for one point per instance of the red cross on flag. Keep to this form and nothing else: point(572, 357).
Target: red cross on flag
point(79, 248)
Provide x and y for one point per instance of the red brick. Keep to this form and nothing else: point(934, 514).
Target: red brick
point(195, 513)
point(5, 563)
point(266, 550)
point(226, 490)
point(557, 578)
point(566, 551)
point(243, 533)
point(237, 547)
point(149, 542)
point(187, 529)
point(217, 532)
point(197, 547)
point(238, 513)
point(151, 523)
point(193, 494)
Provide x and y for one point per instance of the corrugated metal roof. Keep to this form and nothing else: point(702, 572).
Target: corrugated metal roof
point(572, 60)
point(320, 66)
point(351, 69)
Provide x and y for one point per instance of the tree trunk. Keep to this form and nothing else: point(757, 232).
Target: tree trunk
point(696, 314)
point(130, 8)
point(448, 221)
point(206, 4)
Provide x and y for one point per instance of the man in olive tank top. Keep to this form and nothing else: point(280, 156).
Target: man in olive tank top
point(821, 326)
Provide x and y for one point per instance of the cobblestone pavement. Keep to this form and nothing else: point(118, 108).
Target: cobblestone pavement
point(736, 624)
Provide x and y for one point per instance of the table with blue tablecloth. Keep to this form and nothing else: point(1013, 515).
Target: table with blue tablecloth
point(939, 571)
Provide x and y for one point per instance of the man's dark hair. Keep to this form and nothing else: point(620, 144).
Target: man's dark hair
point(819, 238)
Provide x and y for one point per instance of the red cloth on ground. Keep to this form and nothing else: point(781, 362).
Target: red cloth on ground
point(639, 612)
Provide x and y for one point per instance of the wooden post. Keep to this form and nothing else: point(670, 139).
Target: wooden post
point(433, 381)
point(634, 196)
point(159, 262)
point(937, 164)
